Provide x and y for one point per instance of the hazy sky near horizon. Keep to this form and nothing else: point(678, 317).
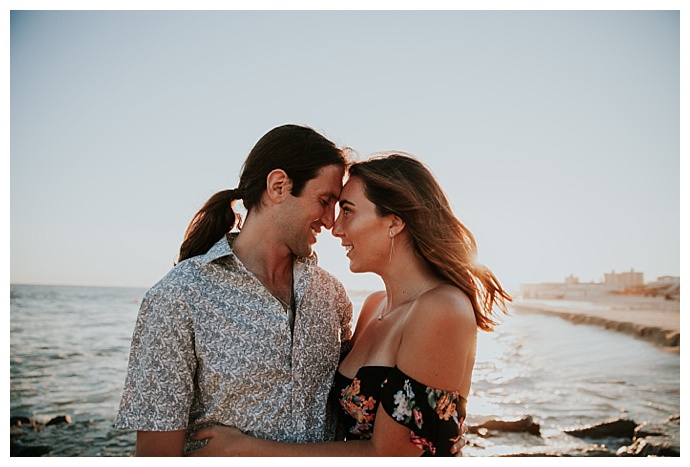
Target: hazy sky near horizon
point(556, 134)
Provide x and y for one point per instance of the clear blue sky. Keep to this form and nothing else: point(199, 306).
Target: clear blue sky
point(556, 134)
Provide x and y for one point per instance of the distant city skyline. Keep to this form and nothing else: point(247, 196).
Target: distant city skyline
point(613, 272)
point(556, 134)
point(626, 283)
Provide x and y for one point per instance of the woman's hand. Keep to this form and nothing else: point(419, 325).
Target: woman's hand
point(222, 441)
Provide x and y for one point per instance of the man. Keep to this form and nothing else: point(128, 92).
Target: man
point(246, 330)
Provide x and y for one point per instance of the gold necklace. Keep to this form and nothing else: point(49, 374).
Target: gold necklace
point(383, 315)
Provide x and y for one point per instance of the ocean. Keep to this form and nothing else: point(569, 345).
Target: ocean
point(69, 348)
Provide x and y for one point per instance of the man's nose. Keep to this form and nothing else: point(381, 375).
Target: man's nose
point(328, 218)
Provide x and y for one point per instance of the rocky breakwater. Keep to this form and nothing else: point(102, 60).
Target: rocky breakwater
point(653, 319)
point(658, 440)
point(614, 438)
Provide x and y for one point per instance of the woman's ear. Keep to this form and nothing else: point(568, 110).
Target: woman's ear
point(278, 185)
point(396, 224)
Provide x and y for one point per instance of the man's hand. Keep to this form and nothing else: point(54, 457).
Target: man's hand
point(221, 441)
point(456, 448)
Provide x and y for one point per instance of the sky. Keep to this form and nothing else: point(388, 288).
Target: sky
point(555, 134)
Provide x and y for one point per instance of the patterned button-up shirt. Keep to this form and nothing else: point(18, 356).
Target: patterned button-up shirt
point(212, 345)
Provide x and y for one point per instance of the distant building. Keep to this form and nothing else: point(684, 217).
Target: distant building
point(666, 286)
point(570, 289)
point(623, 280)
point(667, 280)
point(631, 282)
point(572, 280)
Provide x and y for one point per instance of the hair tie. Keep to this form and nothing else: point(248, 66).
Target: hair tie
point(238, 193)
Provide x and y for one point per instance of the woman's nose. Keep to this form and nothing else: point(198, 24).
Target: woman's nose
point(337, 229)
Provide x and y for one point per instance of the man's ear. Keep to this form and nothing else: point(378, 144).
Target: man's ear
point(278, 185)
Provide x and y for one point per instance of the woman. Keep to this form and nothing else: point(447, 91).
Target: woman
point(404, 384)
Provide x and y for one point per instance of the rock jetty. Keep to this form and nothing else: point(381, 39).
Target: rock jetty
point(613, 438)
point(654, 320)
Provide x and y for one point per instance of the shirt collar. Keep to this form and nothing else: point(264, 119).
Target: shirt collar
point(223, 248)
point(219, 250)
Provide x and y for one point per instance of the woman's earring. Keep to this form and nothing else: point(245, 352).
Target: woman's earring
point(390, 234)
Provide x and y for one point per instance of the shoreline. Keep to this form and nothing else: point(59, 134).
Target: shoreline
point(653, 320)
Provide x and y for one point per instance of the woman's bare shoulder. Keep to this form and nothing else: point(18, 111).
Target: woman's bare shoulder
point(444, 305)
point(372, 302)
point(439, 339)
point(375, 296)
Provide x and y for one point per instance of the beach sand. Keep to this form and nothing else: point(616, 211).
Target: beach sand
point(652, 319)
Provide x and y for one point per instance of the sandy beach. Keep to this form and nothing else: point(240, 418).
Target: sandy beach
point(653, 319)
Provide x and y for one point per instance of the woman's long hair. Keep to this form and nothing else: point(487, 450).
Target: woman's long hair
point(399, 184)
point(300, 151)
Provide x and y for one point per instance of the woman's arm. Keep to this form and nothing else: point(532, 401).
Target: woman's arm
point(160, 443)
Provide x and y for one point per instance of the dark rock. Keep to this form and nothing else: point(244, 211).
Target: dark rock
point(587, 451)
point(21, 425)
point(656, 439)
point(620, 428)
point(525, 424)
point(18, 450)
point(649, 429)
point(19, 421)
point(594, 451)
point(62, 419)
point(657, 446)
point(23, 432)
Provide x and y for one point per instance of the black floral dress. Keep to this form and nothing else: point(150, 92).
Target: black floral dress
point(432, 415)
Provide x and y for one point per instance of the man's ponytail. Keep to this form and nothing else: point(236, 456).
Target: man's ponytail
point(215, 218)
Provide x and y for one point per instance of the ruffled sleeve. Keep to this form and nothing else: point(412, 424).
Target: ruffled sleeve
point(432, 415)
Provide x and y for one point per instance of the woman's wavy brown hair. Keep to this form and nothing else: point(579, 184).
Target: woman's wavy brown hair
point(401, 185)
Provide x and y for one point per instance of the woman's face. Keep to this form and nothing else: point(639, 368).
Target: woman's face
point(362, 232)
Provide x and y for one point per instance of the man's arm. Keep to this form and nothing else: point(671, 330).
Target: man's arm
point(160, 443)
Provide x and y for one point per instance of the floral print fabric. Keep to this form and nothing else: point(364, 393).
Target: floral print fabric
point(212, 345)
point(356, 402)
point(432, 415)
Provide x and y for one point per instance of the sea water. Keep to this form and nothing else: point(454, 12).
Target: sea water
point(69, 348)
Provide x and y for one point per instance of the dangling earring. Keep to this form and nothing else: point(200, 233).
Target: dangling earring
point(390, 234)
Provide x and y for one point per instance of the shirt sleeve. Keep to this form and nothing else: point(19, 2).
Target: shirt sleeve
point(346, 323)
point(159, 386)
point(432, 415)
